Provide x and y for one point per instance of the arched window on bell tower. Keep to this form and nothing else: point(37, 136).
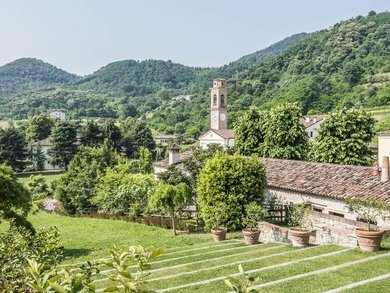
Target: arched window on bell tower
point(215, 98)
point(223, 104)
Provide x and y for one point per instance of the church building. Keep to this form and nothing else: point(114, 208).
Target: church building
point(219, 132)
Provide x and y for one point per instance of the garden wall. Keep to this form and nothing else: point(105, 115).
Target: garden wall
point(327, 229)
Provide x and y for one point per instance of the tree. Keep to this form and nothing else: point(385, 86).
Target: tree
point(118, 191)
point(76, 187)
point(136, 135)
point(112, 134)
point(91, 134)
point(12, 148)
point(38, 158)
point(233, 181)
point(285, 136)
point(38, 187)
point(15, 199)
point(171, 199)
point(249, 132)
point(63, 143)
point(39, 127)
point(343, 138)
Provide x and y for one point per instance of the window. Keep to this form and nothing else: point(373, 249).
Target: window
point(215, 100)
point(317, 209)
point(311, 133)
point(223, 101)
point(336, 214)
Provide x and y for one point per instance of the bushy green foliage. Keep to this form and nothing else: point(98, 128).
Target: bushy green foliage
point(343, 138)
point(19, 244)
point(38, 158)
point(38, 187)
point(284, 134)
point(76, 187)
point(63, 142)
point(39, 127)
point(249, 132)
point(136, 135)
point(243, 283)
point(12, 148)
point(171, 199)
point(91, 134)
point(298, 213)
point(15, 199)
point(118, 191)
point(254, 213)
point(369, 209)
point(231, 180)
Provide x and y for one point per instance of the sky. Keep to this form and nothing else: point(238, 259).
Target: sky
point(81, 36)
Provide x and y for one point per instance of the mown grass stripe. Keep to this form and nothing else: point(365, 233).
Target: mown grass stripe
point(229, 264)
point(360, 283)
point(196, 262)
point(325, 270)
point(208, 281)
point(171, 250)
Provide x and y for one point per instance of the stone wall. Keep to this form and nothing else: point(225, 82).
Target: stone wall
point(327, 229)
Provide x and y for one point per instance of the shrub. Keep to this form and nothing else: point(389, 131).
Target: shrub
point(232, 181)
point(119, 192)
point(19, 244)
point(298, 214)
point(254, 214)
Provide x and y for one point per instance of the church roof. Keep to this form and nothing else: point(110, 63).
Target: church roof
point(224, 133)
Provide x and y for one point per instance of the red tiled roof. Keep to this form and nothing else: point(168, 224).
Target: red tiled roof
point(329, 180)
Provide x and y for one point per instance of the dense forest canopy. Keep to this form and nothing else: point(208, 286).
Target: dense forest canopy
point(343, 66)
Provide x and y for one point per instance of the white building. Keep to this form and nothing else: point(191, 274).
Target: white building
point(58, 115)
point(312, 124)
point(45, 147)
point(164, 139)
point(218, 133)
point(383, 145)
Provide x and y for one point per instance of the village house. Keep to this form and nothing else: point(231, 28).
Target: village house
point(312, 124)
point(58, 115)
point(164, 139)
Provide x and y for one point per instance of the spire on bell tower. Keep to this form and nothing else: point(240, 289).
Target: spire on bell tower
point(218, 105)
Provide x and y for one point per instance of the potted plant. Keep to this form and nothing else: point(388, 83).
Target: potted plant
point(254, 214)
point(299, 235)
point(369, 210)
point(216, 220)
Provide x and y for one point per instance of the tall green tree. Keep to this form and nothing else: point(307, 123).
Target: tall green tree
point(343, 138)
point(76, 187)
point(38, 158)
point(13, 148)
point(171, 199)
point(112, 134)
point(39, 127)
point(230, 182)
point(15, 199)
point(285, 136)
point(249, 131)
point(91, 134)
point(63, 142)
point(136, 134)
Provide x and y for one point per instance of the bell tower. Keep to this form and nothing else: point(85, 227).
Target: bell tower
point(218, 105)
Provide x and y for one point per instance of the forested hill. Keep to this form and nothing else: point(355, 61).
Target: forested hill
point(30, 86)
point(30, 74)
point(345, 65)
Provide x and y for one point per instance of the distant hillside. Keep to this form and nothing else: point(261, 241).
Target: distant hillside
point(30, 74)
point(30, 86)
point(343, 66)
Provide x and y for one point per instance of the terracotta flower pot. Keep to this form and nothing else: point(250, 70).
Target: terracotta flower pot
point(251, 236)
point(298, 237)
point(219, 234)
point(369, 240)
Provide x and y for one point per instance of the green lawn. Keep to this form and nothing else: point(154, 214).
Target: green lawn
point(194, 263)
point(49, 178)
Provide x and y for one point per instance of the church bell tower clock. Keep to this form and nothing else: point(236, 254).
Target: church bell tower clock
point(218, 105)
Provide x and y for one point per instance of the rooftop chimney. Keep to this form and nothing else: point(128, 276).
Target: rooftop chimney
point(375, 169)
point(385, 169)
point(174, 154)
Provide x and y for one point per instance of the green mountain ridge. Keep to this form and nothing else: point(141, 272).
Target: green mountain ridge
point(109, 91)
